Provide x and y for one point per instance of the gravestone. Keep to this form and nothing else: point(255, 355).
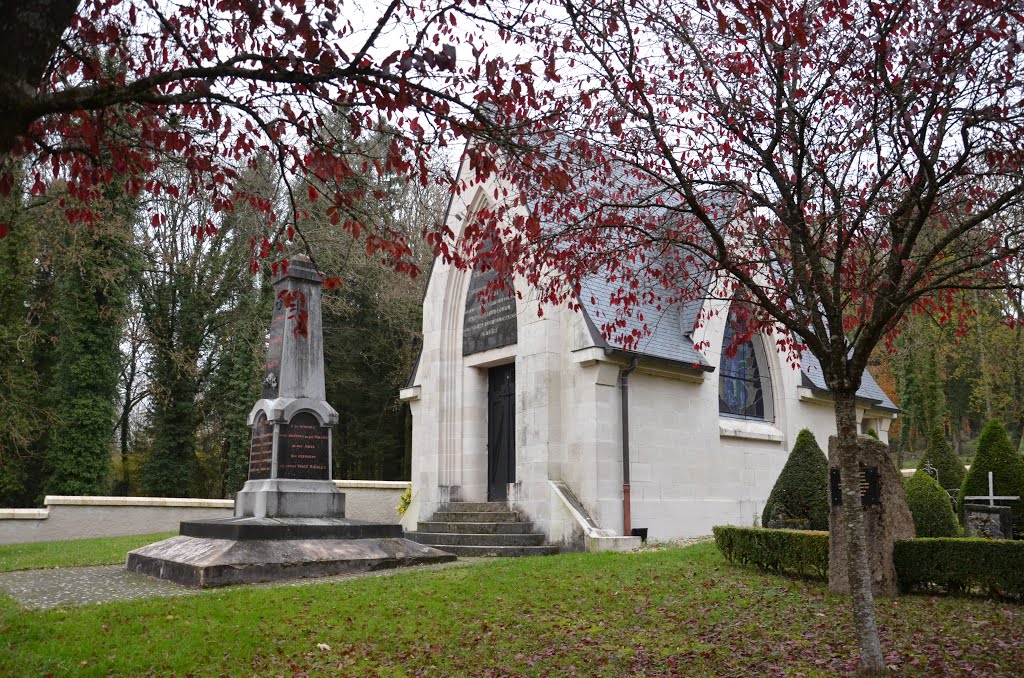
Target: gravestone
point(290, 516)
point(887, 517)
point(988, 522)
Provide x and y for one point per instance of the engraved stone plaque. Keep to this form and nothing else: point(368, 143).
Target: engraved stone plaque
point(302, 449)
point(261, 452)
point(496, 326)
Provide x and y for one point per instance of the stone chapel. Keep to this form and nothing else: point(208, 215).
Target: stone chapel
point(586, 439)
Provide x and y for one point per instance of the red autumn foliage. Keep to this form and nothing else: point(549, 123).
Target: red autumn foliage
point(106, 91)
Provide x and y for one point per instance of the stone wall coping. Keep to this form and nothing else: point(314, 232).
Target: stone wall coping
point(24, 514)
point(179, 502)
point(373, 484)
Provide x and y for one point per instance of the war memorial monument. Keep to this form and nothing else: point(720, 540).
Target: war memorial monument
point(289, 517)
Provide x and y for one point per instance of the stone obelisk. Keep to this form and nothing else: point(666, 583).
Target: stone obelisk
point(290, 516)
point(290, 459)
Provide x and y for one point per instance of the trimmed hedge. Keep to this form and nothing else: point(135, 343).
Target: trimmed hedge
point(800, 552)
point(801, 490)
point(996, 454)
point(989, 566)
point(930, 506)
point(940, 455)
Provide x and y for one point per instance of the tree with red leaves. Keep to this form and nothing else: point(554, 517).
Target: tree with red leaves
point(105, 90)
point(828, 166)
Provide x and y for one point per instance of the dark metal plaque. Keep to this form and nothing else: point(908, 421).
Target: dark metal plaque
point(870, 492)
point(496, 325)
point(870, 489)
point(272, 370)
point(303, 448)
point(262, 449)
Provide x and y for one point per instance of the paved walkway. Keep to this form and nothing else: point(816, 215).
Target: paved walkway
point(73, 586)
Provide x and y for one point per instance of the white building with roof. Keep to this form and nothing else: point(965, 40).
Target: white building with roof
point(544, 412)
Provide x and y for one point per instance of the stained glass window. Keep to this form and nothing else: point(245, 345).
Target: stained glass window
point(742, 379)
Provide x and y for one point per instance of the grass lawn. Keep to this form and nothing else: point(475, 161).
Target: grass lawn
point(659, 612)
point(75, 553)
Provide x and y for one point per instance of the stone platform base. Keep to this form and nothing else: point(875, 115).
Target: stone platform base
point(288, 528)
point(203, 563)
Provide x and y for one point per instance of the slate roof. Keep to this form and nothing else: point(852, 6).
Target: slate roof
point(869, 390)
point(670, 326)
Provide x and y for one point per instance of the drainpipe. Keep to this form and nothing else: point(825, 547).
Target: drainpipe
point(624, 388)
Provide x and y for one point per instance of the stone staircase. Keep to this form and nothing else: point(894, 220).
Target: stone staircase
point(481, 529)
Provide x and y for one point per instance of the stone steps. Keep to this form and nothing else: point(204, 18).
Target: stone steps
point(479, 506)
point(497, 551)
point(505, 516)
point(475, 528)
point(444, 540)
point(479, 529)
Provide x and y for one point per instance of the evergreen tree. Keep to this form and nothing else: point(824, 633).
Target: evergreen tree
point(801, 491)
point(193, 300)
point(930, 506)
point(91, 278)
point(24, 410)
point(995, 454)
point(235, 386)
point(941, 456)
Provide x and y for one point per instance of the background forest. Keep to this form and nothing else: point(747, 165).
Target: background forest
point(951, 379)
point(134, 345)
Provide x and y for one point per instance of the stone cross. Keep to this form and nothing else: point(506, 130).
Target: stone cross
point(991, 496)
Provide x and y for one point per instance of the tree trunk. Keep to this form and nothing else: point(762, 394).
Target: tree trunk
point(859, 570)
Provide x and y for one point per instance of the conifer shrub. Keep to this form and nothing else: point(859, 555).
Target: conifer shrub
point(872, 433)
point(941, 456)
point(801, 491)
point(930, 506)
point(996, 454)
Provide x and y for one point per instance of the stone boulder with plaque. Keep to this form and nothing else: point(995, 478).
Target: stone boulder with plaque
point(290, 516)
point(887, 517)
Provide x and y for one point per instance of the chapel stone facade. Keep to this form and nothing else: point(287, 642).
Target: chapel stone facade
point(513, 405)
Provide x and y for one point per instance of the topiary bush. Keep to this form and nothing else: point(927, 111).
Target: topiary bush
point(941, 456)
point(930, 506)
point(801, 491)
point(996, 454)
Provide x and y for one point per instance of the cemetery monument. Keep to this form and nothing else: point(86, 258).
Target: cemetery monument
point(887, 517)
point(290, 516)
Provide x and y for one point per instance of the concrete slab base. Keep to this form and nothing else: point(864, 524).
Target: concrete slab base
point(203, 563)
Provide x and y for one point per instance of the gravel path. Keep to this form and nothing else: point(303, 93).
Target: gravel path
point(73, 586)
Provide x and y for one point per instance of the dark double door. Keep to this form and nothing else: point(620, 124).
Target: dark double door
point(501, 431)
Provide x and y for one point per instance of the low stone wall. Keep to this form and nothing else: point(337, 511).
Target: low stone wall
point(372, 500)
point(83, 517)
